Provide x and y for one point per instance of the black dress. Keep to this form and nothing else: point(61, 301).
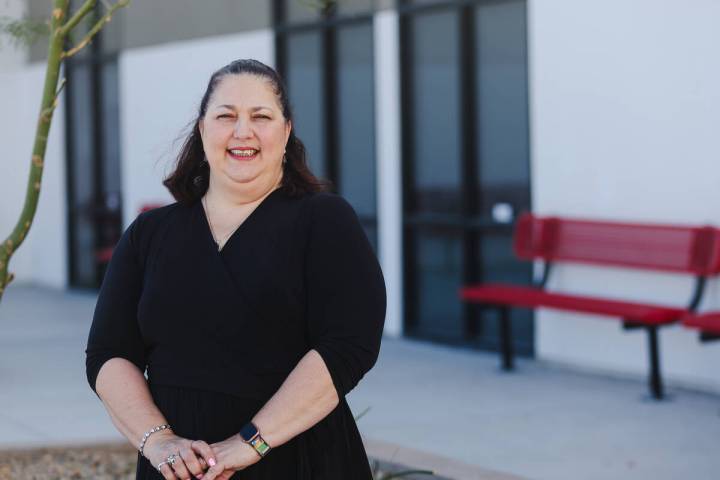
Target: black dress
point(219, 331)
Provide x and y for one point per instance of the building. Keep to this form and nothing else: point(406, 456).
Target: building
point(440, 121)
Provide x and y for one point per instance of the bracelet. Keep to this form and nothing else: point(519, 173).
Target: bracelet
point(147, 435)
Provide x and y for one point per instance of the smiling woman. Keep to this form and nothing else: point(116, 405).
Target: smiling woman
point(244, 134)
point(255, 302)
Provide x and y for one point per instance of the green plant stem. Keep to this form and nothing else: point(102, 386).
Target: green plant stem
point(84, 9)
point(96, 28)
point(51, 92)
point(47, 107)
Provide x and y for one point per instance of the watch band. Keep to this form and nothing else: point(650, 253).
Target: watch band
point(251, 435)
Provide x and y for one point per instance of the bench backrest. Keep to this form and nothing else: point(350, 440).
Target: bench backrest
point(658, 247)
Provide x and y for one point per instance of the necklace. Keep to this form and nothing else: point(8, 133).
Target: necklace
point(212, 230)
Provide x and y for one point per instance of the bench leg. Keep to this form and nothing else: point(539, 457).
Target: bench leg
point(709, 337)
point(506, 347)
point(656, 386)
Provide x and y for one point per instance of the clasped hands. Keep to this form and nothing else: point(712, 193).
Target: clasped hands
point(198, 459)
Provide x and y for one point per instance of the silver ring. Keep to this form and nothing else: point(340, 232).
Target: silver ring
point(159, 465)
point(171, 459)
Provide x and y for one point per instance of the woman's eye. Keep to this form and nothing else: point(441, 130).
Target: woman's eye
point(262, 116)
point(225, 115)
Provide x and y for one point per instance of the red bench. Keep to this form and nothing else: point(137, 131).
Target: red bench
point(689, 250)
point(707, 323)
point(104, 254)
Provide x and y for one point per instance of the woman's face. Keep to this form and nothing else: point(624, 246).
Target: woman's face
point(244, 133)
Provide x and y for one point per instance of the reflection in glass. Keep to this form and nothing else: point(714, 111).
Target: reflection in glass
point(502, 127)
point(82, 171)
point(302, 11)
point(355, 118)
point(439, 277)
point(345, 7)
point(111, 128)
point(306, 92)
point(436, 119)
point(355, 108)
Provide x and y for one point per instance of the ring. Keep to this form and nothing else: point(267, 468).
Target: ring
point(171, 459)
point(159, 465)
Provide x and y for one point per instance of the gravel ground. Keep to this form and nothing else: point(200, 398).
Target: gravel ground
point(105, 462)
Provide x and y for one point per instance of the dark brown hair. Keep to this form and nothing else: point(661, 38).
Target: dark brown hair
point(190, 179)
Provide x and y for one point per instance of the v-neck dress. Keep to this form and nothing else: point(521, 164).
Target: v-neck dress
point(219, 331)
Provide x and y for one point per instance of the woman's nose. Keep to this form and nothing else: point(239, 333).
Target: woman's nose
point(242, 129)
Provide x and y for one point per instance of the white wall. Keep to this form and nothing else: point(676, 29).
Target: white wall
point(625, 109)
point(160, 89)
point(42, 258)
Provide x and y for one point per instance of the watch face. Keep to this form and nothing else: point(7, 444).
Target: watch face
point(248, 431)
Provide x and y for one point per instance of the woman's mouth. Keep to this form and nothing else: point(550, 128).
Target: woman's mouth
point(243, 153)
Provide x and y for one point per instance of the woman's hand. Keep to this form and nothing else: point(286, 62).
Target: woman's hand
point(193, 456)
point(231, 455)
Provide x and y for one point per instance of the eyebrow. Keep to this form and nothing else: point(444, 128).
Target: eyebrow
point(254, 109)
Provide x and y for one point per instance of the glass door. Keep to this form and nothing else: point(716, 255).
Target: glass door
point(326, 57)
point(93, 163)
point(466, 164)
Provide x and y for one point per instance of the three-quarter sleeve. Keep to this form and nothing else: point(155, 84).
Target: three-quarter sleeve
point(345, 292)
point(115, 331)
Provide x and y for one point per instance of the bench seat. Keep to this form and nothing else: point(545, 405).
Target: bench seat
point(681, 249)
point(500, 294)
point(705, 322)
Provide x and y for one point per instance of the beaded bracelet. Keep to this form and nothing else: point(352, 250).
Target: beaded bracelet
point(147, 435)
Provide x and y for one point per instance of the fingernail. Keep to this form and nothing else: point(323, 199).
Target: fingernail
point(211, 462)
point(199, 476)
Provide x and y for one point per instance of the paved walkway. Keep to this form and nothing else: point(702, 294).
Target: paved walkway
point(434, 407)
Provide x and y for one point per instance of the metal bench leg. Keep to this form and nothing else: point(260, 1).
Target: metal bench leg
point(506, 348)
point(656, 386)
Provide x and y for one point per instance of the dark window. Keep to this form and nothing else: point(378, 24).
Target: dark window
point(326, 58)
point(356, 176)
point(436, 121)
point(305, 87)
point(93, 159)
point(465, 162)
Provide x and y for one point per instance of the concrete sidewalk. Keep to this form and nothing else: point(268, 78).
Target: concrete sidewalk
point(433, 407)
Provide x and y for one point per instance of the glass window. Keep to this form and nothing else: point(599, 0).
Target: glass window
point(302, 10)
point(481, 81)
point(502, 127)
point(345, 7)
point(439, 277)
point(111, 128)
point(83, 140)
point(307, 95)
point(436, 119)
point(329, 72)
point(355, 118)
point(82, 172)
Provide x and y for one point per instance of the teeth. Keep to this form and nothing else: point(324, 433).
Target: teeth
point(243, 153)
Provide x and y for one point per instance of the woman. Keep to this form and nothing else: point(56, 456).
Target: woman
point(255, 302)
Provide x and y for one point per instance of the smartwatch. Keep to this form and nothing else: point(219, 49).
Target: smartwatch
point(251, 435)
